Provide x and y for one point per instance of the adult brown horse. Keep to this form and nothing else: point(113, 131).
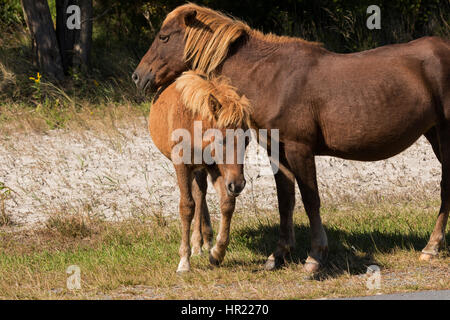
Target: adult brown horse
point(364, 106)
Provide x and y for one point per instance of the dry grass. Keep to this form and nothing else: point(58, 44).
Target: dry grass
point(5, 193)
point(138, 258)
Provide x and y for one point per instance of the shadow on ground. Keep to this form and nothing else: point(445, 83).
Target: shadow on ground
point(348, 252)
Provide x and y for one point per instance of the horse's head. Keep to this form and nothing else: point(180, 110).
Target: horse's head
point(227, 117)
point(191, 37)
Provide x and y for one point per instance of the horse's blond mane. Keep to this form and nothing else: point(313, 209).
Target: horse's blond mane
point(208, 38)
point(214, 99)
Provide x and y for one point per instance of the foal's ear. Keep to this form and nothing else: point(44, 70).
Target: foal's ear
point(189, 16)
point(214, 106)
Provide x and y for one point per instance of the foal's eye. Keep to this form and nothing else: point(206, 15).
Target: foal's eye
point(164, 38)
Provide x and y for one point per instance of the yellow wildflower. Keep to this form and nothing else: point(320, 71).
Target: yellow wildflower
point(37, 79)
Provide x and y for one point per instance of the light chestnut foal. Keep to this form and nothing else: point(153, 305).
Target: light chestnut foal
point(216, 105)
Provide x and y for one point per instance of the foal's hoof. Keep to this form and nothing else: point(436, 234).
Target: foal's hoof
point(215, 262)
point(273, 263)
point(183, 271)
point(426, 256)
point(196, 251)
point(184, 266)
point(207, 246)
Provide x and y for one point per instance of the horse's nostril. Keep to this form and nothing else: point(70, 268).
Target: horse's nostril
point(231, 187)
point(135, 77)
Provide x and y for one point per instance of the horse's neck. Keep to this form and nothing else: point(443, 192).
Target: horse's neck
point(258, 66)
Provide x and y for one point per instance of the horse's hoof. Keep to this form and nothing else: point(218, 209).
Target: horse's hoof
point(312, 267)
point(426, 257)
point(273, 263)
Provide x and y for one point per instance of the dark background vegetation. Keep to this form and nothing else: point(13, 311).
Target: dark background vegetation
point(123, 31)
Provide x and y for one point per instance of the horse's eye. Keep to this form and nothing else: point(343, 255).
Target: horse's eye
point(164, 38)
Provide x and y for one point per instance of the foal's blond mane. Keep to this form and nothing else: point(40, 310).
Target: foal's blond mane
point(208, 38)
point(214, 99)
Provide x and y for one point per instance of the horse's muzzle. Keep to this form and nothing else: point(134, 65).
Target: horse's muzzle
point(144, 82)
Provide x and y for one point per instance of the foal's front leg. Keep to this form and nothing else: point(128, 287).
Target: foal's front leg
point(227, 205)
point(187, 206)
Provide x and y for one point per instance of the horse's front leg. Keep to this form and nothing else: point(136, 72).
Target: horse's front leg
point(285, 183)
point(227, 205)
point(187, 207)
point(301, 160)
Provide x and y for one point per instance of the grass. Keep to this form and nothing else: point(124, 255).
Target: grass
point(138, 259)
point(38, 106)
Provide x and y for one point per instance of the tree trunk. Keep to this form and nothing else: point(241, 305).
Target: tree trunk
point(75, 44)
point(66, 37)
point(84, 42)
point(40, 24)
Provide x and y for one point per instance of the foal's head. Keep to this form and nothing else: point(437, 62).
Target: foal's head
point(227, 115)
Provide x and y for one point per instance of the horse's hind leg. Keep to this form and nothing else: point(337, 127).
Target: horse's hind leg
point(437, 238)
point(187, 207)
point(285, 182)
point(433, 139)
point(202, 231)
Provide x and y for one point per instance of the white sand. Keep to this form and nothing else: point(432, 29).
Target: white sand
point(124, 175)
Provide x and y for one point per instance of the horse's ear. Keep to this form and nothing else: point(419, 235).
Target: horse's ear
point(189, 16)
point(214, 106)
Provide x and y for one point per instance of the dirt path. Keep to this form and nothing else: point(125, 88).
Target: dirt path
point(122, 174)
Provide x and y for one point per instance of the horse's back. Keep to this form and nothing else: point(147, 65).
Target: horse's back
point(384, 100)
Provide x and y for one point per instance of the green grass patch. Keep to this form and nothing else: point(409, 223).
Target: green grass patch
point(139, 258)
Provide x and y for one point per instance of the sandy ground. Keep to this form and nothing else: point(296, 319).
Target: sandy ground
point(116, 176)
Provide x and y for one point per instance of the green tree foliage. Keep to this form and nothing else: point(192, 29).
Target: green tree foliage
point(339, 24)
point(10, 13)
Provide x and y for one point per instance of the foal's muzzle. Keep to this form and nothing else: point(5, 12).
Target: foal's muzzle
point(234, 189)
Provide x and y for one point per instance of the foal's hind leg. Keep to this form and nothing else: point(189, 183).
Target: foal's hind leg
point(437, 239)
point(202, 231)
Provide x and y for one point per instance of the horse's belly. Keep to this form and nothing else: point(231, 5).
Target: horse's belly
point(378, 138)
point(370, 152)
